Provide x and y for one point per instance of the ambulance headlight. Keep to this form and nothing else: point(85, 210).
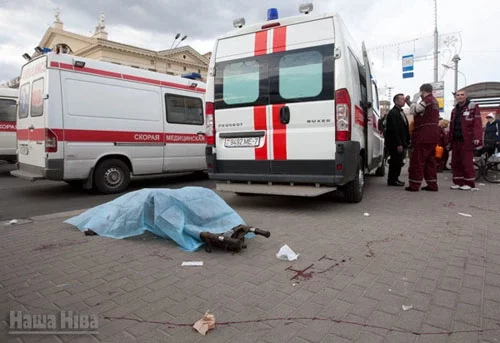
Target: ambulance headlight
point(306, 8)
point(239, 23)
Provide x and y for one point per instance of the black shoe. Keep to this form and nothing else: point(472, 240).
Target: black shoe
point(395, 183)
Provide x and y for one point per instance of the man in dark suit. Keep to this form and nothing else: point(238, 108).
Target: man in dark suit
point(397, 139)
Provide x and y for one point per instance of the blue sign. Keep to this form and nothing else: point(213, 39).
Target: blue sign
point(408, 61)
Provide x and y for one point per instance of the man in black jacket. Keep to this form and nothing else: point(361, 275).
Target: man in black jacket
point(397, 139)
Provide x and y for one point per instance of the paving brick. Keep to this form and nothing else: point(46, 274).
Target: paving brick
point(440, 317)
point(411, 320)
point(352, 293)
point(445, 298)
point(391, 303)
point(348, 331)
point(449, 284)
point(315, 331)
point(492, 279)
point(364, 307)
point(383, 321)
point(427, 286)
point(399, 337)
point(471, 281)
point(472, 296)
point(368, 337)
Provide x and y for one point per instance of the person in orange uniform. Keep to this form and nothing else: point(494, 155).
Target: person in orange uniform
point(425, 137)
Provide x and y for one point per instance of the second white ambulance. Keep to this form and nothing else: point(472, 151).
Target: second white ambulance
point(95, 123)
point(8, 107)
point(292, 109)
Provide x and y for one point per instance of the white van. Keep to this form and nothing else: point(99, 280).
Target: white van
point(292, 109)
point(97, 123)
point(8, 105)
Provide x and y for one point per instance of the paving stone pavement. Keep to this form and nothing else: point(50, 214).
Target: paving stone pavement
point(414, 250)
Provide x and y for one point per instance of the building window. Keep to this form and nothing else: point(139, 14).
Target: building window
point(170, 73)
point(199, 71)
point(169, 65)
point(151, 69)
point(185, 68)
point(136, 67)
point(184, 56)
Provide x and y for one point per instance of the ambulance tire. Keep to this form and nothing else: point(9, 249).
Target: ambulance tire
point(111, 176)
point(353, 191)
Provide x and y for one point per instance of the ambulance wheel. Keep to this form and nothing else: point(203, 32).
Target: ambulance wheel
point(111, 176)
point(353, 191)
point(380, 170)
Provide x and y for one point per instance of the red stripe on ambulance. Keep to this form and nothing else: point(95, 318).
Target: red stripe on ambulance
point(260, 47)
point(6, 126)
point(279, 39)
point(103, 136)
point(260, 123)
point(279, 135)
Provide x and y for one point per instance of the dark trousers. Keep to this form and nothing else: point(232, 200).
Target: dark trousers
point(395, 164)
point(423, 166)
point(462, 165)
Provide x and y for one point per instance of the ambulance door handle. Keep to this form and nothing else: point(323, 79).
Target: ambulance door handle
point(201, 133)
point(31, 128)
point(285, 115)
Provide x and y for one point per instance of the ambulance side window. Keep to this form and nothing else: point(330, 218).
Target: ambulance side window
point(301, 75)
point(7, 110)
point(241, 82)
point(375, 96)
point(37, 98)
point(24, 100)
point(184, 110)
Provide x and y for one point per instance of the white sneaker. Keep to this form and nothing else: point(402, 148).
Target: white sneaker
point(455, 186)
point(465, 188)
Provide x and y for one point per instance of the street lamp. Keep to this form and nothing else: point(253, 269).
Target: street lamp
point(182, 39)
point(455, 60)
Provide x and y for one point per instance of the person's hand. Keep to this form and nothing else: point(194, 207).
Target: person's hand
point(448, 146)
point(400, 149)
point(476, 142)
point(416, 97)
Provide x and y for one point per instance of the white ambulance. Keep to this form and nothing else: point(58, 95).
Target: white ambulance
point(8, 106)
point(96, 123)
point(292, 109)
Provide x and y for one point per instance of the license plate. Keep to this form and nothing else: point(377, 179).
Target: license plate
point(242, 142)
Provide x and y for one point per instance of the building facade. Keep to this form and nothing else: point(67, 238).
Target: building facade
point(177, 61)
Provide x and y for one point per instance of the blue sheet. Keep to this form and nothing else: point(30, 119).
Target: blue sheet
point(176, 214)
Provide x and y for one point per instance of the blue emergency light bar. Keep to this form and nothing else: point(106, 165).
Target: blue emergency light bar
point(192, 76)
point(272, 14)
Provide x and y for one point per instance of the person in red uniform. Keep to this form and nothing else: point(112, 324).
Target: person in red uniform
point(465, 133)
point(424, 140)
